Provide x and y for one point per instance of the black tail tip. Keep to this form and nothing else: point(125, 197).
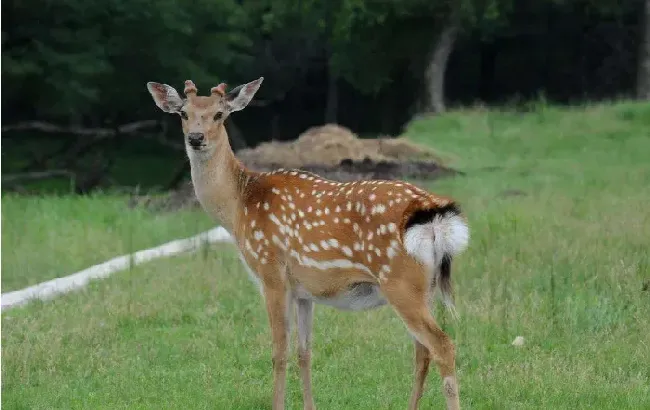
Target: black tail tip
point(446, 289)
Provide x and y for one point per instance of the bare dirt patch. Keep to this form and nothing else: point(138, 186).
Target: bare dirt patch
point(333, 152)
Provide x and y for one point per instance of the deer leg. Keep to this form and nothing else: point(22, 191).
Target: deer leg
point(408, 294)
point(305, 324)
point(276, 297)
point(422, 365)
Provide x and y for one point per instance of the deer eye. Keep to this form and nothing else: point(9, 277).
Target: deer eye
point(218, 116)
point(183, 115)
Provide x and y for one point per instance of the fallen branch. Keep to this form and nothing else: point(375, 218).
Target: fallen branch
point(100, 132)
point(29, 176)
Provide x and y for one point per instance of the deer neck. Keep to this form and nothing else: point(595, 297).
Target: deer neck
point(219, 180)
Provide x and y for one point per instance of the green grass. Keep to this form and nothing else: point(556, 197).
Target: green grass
point(51, 236)
point(563, 263)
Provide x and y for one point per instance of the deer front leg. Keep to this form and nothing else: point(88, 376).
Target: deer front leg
point(305, 324)
point(276, 297)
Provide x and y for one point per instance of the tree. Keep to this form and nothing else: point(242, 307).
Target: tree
point(383, 37)
point(80, 67)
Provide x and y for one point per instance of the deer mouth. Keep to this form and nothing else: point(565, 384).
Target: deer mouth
point(196, 145)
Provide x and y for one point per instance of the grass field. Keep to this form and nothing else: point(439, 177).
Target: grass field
point(47, 237)
point(558, 206)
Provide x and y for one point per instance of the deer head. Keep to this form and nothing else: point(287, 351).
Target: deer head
point(203, 117)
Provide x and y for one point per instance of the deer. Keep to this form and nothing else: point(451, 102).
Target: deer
point(307, 240)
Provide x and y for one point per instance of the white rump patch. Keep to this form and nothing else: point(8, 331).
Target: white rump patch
point(446, 234)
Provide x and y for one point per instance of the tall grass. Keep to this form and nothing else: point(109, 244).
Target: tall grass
point(51, 236)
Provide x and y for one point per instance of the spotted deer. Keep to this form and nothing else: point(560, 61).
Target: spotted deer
point(305, 239)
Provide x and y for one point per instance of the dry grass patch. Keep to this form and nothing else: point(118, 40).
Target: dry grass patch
point(330, 144)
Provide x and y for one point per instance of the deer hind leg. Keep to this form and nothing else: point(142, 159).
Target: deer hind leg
point(406, 289)
point(422, 365)
point(305, 311)
point(276, 296)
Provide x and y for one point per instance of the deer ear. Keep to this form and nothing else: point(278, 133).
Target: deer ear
point(165, 97)
point(239, 97)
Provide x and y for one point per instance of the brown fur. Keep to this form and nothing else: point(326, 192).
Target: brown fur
point(299, 232)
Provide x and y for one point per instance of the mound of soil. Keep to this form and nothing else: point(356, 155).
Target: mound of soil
point(330, 144)
point(331, 151)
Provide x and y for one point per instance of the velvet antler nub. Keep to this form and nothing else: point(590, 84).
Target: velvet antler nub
point(190, 88)
point(220, 89)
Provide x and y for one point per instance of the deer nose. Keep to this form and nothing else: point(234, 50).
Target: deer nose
point(195, 138)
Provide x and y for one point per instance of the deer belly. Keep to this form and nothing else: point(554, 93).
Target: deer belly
point(358, 296)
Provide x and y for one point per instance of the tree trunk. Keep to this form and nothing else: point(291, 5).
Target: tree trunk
point(643, 67)
point(435, 73)
point(332, 105)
